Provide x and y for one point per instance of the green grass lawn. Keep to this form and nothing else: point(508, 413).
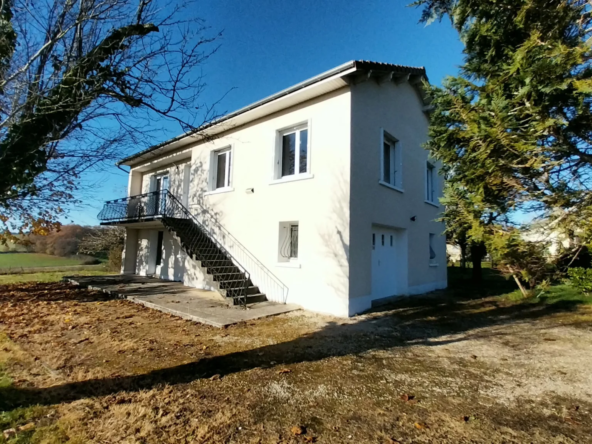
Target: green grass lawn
point(461, 286)
point(30, 260)
point(53, 276)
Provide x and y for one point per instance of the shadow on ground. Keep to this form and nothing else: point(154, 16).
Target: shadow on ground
point(458, 314)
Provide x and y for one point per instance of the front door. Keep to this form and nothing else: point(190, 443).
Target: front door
point(384, 263)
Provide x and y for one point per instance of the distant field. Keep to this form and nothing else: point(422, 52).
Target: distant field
point(24, 260)
point(48, 277)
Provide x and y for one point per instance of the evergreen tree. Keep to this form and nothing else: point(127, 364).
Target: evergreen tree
point(514, 129)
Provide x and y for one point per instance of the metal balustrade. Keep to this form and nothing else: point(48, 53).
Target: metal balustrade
point(233, 278)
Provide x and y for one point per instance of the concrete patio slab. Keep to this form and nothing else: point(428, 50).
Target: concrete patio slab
point(206, 307)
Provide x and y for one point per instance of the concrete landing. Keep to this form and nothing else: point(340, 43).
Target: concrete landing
point(206, 307)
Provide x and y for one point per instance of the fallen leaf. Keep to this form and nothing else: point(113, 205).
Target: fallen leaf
point(571, 421)
point(310, 439)
point(27, 427)
point(392, 441)
point(549, 339)
point(9, 433)
point(298, 430)
point(420, 425)
point(284, 370)
point(215, 378)
point(405, 397)
point(474, 356)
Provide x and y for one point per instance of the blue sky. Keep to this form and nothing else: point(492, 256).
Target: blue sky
point(269, 45)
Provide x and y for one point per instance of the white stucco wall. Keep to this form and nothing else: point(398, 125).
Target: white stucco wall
point(320, 204)
point(176, 264)
point(398, 110)
point(173, 170)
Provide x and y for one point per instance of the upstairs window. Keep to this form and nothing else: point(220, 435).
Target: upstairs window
point(391, 159)
point(292, 154)
point(221, 170)
point(430, 183)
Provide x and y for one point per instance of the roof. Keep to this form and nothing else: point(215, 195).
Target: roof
point(348, 71)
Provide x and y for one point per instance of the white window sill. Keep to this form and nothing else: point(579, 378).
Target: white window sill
point(434, 265)
point(292, 178)
point(432, 204)
point(392, 187)
point(219, 191)
point(288, 264)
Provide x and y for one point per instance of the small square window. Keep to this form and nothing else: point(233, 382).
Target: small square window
point(288, 242)
point(430, 183)
point(391, 158)
point(292, 154)
point(432, 249)
point(221, 169)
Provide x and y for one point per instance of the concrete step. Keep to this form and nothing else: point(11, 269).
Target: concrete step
point(258, 297)
point(234, 284)
point(224, 277)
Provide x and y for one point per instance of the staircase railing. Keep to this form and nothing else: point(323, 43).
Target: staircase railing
point(175, 209)
point(163, 203)
point(275, 290)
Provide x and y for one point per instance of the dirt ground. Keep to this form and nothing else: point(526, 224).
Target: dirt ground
point(89, 369)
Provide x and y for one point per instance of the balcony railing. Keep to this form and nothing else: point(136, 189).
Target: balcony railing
point(135, 208)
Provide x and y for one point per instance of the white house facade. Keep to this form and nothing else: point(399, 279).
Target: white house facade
point(320, 195)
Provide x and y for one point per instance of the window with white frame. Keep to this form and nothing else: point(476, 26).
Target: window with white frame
point(430, 183)
point(391, 173)
point(292, 152)
point(288, 242)
point(432, 249)
point(221, 169)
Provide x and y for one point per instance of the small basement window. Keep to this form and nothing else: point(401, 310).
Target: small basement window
point(288, 242)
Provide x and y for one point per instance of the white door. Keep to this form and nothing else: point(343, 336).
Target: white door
point(384, 263)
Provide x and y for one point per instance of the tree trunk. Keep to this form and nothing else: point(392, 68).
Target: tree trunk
point(524, 291)
point(477, 254)
point(463, 255)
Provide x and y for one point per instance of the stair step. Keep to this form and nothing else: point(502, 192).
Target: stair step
point(225, 277)
point(253, 290)
point(226, 270)
point(234, 284)
point(258, 297)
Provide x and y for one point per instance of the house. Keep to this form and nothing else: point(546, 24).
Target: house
point(320, 195)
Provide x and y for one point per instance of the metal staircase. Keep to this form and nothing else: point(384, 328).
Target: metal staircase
point(231, 279)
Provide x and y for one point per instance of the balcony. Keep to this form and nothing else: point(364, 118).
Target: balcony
point(139, 208)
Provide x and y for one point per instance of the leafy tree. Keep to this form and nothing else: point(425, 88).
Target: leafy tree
point(109, 240)
point(514, 129)
point(81, 82)
point(525, 261)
